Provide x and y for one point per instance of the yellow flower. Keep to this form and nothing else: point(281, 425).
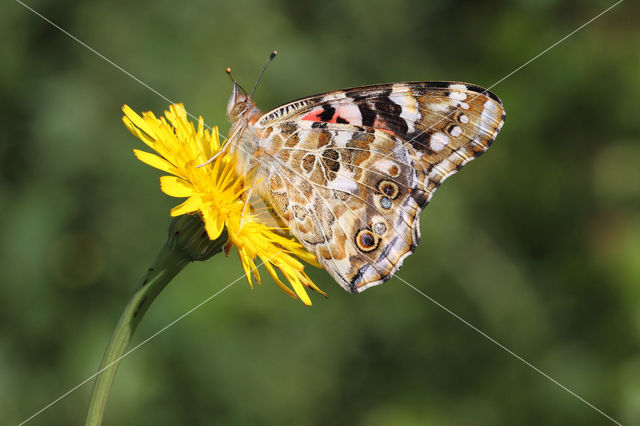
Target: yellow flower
point(217, 193)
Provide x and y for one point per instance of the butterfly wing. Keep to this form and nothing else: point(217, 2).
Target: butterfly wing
point(411, 110)
point(352, 169)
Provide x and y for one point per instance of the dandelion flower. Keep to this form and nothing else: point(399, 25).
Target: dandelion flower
point(218, 194)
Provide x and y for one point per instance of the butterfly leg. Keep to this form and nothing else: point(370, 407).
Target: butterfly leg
point(224, 149)
point(219, 153)
point(246, 203)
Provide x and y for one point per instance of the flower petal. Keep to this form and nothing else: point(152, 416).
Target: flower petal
point(138, 133)
point(306, 281)
point(275, 277)
point(212, 225)
point(247, 265)
point(298, 288)
point(138, 121)
point(175, 186)
point(192, 204)
point(154, 161)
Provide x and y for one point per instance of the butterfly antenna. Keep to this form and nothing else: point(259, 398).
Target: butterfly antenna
point(228, 71)
point(273, 55)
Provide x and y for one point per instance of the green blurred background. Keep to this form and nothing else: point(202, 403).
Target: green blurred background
point(537, 243)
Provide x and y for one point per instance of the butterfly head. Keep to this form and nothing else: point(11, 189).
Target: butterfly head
point(237, 102)
point(240, 105)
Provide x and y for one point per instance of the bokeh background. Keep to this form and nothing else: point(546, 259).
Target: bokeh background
point(537, 243)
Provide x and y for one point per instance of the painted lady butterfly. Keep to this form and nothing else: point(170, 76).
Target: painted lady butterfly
point(349, 171)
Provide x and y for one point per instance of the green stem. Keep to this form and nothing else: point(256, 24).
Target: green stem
point(187, 242)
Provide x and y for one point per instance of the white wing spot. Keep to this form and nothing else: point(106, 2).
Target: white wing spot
point(459, 96)
point(477, 141)
point(344, 183)
point(384, 165)
point(463, 119)
point(489, 115)
point(455, 131)
point(464, 105)
point(438, 141)
point(409, 111)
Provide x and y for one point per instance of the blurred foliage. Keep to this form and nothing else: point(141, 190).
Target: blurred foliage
point(537, 243)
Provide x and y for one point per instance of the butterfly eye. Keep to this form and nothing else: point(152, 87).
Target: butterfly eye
point(388, 188)
point(238, 108)
point(366, 240)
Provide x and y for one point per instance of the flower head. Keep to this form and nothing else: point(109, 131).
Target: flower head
point(217, 193)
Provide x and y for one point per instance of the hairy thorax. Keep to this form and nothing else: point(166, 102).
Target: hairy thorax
point(251, 148)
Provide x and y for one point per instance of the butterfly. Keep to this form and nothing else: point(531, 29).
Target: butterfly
point(348, 172)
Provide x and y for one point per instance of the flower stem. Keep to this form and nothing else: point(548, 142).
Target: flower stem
point(187, 242)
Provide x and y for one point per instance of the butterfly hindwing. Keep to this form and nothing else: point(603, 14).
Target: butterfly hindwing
point(347, 194)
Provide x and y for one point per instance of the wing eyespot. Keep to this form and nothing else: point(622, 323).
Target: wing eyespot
point(388, 188)
point(367, 241)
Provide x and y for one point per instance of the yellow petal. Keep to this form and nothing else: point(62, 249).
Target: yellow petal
point(138, 121)
point(247, 265)
point(154, 161)
point(311, 259)
point(138, 133)
point(275, 277)
point(298, 288)
point(256, 275)
point(213, 226)
point(189, 206)
point(308, 283)
point(175, 186)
